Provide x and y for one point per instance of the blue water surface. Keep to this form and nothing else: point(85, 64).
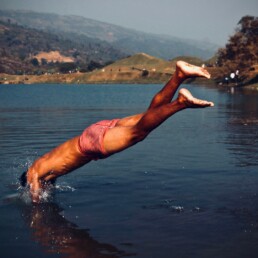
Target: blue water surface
point(188, 190)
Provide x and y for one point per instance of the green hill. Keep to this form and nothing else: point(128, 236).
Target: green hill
point(141, 61)
point(139, 68)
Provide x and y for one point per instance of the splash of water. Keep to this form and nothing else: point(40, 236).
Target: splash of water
point(23, 193)
point(45, 195)
point(63, 187)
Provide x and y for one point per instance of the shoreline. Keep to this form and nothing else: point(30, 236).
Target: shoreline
point(97, 77)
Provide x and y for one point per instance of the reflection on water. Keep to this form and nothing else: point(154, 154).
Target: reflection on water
point(242, 126)
point(58, 235)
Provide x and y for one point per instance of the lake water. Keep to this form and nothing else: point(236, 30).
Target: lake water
point(189, 190)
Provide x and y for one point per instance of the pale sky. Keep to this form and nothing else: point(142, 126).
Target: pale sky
point(212, 20)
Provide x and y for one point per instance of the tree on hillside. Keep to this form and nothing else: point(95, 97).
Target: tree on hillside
point(67, 67)
point(35, 62)
point(94, 65)
point(241, 51)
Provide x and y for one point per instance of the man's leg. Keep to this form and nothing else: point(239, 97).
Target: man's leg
point(154, 117)
point(122, 137)
point(165, 95)
point(183, 72)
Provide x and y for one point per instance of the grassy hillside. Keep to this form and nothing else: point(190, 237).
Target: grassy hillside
point(140, 61)
point(139, 68)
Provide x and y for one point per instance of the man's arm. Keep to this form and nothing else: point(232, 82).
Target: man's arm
point(60, 161)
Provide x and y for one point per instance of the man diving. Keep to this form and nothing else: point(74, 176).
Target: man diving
point(108, 137)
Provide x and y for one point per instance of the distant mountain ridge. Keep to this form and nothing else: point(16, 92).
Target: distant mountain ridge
point(126, 40)
point(26, 50)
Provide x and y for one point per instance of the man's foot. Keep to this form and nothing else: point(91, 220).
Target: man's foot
point(185, 70)
point(186, 98)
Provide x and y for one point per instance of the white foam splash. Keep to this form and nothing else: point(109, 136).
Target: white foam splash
point(45, 195)
point(64, 188)
point(177, 208)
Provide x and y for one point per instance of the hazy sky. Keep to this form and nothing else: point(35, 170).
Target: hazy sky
point(213, 20)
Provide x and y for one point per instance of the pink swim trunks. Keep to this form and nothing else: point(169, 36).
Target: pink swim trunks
point(91, 140)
